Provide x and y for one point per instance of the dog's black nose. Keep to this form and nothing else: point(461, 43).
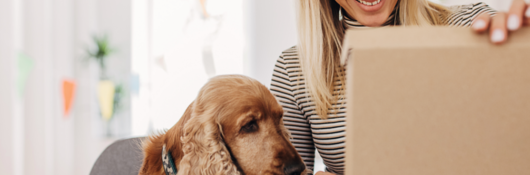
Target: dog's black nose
point(294, 168)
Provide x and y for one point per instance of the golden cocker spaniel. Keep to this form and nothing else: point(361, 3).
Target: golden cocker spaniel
point(234, 126)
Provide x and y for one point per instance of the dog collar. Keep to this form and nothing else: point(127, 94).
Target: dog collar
point(168, 162)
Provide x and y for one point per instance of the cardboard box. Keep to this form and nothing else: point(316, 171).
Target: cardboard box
point(432, 101)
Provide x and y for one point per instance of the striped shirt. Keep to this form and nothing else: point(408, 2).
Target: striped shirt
point(309, 131)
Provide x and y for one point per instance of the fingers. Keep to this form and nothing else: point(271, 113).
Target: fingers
point(498, 30)
point(516, 14)
point(499, 25)
point(481, 23)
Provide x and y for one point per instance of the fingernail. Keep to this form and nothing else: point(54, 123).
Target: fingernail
point(479, 24)
point(513, 22)
point(527, 13)
point(497, 36)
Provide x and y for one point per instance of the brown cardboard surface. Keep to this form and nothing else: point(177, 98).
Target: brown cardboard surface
point(437, 101)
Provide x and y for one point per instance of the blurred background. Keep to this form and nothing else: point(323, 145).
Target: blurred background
point(77, 75)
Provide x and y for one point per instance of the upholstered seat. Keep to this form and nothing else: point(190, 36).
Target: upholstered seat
point(123, 157)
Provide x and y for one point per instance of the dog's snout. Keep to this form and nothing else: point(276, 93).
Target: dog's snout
point(294, 168)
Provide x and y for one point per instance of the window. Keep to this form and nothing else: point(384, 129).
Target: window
point(177, 46)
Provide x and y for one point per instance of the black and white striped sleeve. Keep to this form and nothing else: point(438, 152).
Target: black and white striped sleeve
point(464, 15)
point(283, 88)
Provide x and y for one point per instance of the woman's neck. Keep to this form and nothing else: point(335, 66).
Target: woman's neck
point(349, 22)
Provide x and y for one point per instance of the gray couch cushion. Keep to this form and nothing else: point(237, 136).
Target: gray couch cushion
point(123, 157)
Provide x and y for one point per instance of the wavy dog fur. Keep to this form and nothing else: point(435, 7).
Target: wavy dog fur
point(204, 149)
point(197, 141)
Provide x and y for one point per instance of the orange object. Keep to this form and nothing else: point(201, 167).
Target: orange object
point(68, 95)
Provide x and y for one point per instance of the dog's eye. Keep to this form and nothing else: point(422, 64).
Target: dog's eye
point(250, 127)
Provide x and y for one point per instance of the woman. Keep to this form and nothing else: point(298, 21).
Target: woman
point(308, 78)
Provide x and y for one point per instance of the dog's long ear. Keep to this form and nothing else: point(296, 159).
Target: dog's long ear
point(204, 149)
point(153, 146)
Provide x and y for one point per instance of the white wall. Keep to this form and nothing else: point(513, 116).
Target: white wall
point(11, 121)
point(36, 138)
point(270, 28)
point(39, 104)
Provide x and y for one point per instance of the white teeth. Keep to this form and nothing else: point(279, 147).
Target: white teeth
point(369, 3)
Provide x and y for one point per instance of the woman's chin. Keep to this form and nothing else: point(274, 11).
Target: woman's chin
point(370, 13)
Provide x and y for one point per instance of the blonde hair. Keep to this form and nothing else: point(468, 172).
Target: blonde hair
point(320, 34)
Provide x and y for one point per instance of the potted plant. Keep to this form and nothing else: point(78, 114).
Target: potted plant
point(109, 93)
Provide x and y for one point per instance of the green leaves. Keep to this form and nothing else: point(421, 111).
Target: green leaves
point(102, 50)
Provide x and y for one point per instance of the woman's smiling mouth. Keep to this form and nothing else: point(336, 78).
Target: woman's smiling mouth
point(369, 3)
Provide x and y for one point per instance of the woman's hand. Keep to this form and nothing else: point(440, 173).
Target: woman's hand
point(324, 173)
point(500, 25)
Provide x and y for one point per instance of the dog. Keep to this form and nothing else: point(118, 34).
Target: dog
point(234, 126)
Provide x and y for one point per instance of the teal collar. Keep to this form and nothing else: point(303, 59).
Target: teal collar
point(168, 162)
